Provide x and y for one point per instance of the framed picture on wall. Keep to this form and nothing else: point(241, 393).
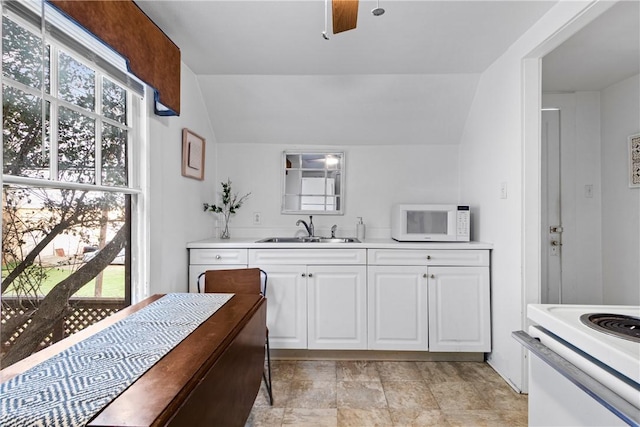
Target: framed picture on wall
point(192, 155)
point(634, 161)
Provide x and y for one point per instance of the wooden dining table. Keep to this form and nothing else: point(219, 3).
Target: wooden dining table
point(210, 378)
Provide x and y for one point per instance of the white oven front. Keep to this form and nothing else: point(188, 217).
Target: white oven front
point(568, 388)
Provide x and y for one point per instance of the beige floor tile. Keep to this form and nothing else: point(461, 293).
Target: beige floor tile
point(315, 370)
point(408, 394)
point(265, 417)
point(280, 394)
point(515, 418)
point(349, 417)
point(357, 371)
point(501, 396)
point(440, 372)
point(283, 370)
point(477, 418)
point(479, 372)
point(360, 394)
point(312, 394)
point(418, 418)
point(309, 417)
point(459, 396)
point(398, 371)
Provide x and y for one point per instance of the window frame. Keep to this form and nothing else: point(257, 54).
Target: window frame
point(137, 152)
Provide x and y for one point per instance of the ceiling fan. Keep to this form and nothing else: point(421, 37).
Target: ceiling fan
point(344, 15)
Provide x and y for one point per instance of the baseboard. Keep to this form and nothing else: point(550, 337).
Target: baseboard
point(407, 356)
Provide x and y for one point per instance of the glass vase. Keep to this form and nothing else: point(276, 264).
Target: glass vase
point(225, 231)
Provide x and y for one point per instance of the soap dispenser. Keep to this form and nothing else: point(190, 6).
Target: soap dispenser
point(360, 229)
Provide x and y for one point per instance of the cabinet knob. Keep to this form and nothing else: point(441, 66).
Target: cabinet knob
point(432, 276)
point(310, 274)
point(424, 275)
point(218, 257)
point(304, 275)
point(428, 256)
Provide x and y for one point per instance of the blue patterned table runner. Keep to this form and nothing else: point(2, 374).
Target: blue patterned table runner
point(70, 388)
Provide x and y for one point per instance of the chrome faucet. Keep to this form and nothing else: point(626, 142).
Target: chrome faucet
point(334, 227)
point(309, 227)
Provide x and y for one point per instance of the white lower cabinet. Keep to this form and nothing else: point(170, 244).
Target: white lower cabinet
point(316, 298)
point(337, 307)
point(429, 300)
point(397, 318)
point(376, 299)
point(459, 309)
point(286, 306)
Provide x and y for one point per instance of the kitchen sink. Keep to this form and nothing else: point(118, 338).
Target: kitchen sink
point(309, 240)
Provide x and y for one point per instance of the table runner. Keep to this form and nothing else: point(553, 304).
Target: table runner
point(70, 388)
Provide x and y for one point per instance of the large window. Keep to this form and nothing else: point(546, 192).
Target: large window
point(70, 128)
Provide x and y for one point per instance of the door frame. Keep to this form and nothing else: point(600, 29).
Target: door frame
point(532, 161)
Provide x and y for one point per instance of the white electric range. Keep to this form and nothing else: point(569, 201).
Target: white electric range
point(584, 364)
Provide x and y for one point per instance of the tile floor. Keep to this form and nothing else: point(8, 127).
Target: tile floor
point(373, 393)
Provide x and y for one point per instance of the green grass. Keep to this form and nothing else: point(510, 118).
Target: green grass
point(112, 282)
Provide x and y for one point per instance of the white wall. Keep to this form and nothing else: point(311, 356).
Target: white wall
point(376, 177)
point(491, 152)
point(620, 106)
point(581, 215)
point(176, 202)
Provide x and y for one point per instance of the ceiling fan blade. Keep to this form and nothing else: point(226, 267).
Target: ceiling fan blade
point(345, 15)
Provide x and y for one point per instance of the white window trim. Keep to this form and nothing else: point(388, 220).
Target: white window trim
point(138, 182)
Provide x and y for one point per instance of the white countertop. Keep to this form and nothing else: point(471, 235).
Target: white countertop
point(251, 243)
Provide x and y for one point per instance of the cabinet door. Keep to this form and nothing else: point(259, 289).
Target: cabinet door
point(286, 305)
point(397, 318)
point(459, 316)
point(337, 305)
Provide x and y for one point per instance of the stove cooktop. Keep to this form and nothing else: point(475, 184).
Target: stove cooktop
point(619, 325)
point(563, 320)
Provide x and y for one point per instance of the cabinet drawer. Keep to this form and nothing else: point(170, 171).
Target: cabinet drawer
point(307, 256)
point(428, 257)
point(218, 256)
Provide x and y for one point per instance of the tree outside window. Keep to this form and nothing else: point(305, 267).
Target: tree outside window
point(68, 237)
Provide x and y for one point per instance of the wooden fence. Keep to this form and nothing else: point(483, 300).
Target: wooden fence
point(80, 313)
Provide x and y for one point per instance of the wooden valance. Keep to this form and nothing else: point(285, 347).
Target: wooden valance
point(151, 55)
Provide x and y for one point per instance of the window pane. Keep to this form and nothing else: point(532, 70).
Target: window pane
point(22, 55)
point(47, 236)
point(114, 101)
point(114, 155)
point(76, 82)
point(76, 147)
point(24, 151)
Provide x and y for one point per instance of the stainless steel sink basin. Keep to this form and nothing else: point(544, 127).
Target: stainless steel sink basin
point(309, 240)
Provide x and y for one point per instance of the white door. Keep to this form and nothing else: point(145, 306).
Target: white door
point(286, 306)
point(551, 256)
point(459, 309)
point(397, 318)
point(337, 307)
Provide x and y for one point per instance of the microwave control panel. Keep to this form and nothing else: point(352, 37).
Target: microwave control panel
point(463, 221)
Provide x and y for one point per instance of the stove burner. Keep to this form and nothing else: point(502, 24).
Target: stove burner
point(620, 325)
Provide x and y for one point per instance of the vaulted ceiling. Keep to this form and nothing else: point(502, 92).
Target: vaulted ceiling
point(409, 76)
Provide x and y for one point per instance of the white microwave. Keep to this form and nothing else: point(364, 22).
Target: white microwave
point(430, 223)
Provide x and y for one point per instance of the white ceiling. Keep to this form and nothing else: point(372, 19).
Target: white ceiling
point(603, 53)
point(408, 76)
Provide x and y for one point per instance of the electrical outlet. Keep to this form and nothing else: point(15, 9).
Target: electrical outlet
point(588, 191)
point(257, 218)
point(503, 190)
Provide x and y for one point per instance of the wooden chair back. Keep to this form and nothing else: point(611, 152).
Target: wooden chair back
point(237, 281)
